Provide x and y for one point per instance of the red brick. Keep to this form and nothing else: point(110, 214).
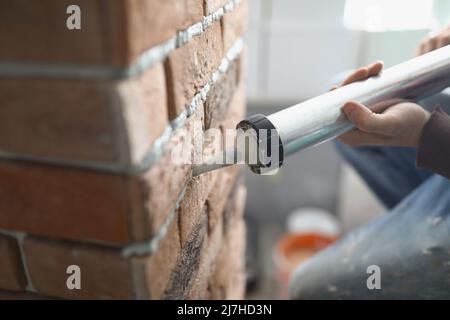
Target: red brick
point(104, 197)
point(201, 287)
point(12, 275)
point(112, 31)
point(184, 276)
point(218, 197)
point(234, 209)
point(143, 110)
point(236, 110)
point(220, 95)
point(155, 192)
point(110, 122)
point(9, 295)
point(152, 22)
point(234, 24)
point(154, 271)
point(190, 67)
point(66, 119)
point(236, 284)
point(64, 203)
point(40, 34)
point(228, 279)
point(226, 177)
point(212, 5)
point(104, 273)
point(192, 207)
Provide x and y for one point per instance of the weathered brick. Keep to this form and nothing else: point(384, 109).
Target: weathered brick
point(217, 199)
point(236, 110)
point(190, 67)
point(201, 288)
point(220, 96)
point(212, 5)
point(143, 112)
point(228, 279)
point(104, 197)
point(104, 273)
point(234, 24)
point(236, 260)
point(63, 203)
point(153, 272)
point(12, 276)
point(10, 295)
point(226, 177)
point(112, 31)
point(116, 122)
point(153, 21)
point(155, 192)
point(234, 209)
point(186, 271)
point(108, 122)
point(192, 207)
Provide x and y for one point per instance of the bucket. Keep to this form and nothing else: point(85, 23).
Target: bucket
point(309, 231)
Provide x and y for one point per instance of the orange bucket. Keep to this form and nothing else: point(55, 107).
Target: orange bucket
point(293, 249)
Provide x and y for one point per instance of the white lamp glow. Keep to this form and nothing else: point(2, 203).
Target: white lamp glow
point(388, 15)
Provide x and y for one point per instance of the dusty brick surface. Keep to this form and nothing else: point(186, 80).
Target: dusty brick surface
point(152, 273)
point(234, 209)
point(234, 24)
point(212, 5)
point(217, 199)
point(154, 193)
point(220, 95)
point(193, 205)
point(190, 67)
point(141, 113)
point(104, 273)
point(202, 287)
point(12, 275)
point(185, 273)
point(228, 279)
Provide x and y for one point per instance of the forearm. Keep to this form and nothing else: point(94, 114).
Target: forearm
point(434, 146)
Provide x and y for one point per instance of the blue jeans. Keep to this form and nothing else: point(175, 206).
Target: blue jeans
point(410, 245)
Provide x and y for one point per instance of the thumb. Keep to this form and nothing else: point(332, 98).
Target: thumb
point(363, 118)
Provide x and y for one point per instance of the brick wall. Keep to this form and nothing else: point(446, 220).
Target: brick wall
point(88, 119)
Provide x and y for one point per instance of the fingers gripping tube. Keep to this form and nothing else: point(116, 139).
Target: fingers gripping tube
point(259, 143)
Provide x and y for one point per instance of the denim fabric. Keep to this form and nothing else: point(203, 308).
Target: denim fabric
point(410, 244)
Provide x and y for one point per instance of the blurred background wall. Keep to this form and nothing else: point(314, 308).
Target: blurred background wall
point(296, 48)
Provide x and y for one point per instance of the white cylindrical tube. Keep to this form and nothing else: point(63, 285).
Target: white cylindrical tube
point(320, 119)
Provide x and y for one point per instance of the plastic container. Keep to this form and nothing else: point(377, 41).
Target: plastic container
point(309, 231)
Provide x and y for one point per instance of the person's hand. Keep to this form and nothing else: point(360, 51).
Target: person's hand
point(362, 74)
point(390, 123)
point(434, 40)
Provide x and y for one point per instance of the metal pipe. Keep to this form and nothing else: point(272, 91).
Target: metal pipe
point(320, 119)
